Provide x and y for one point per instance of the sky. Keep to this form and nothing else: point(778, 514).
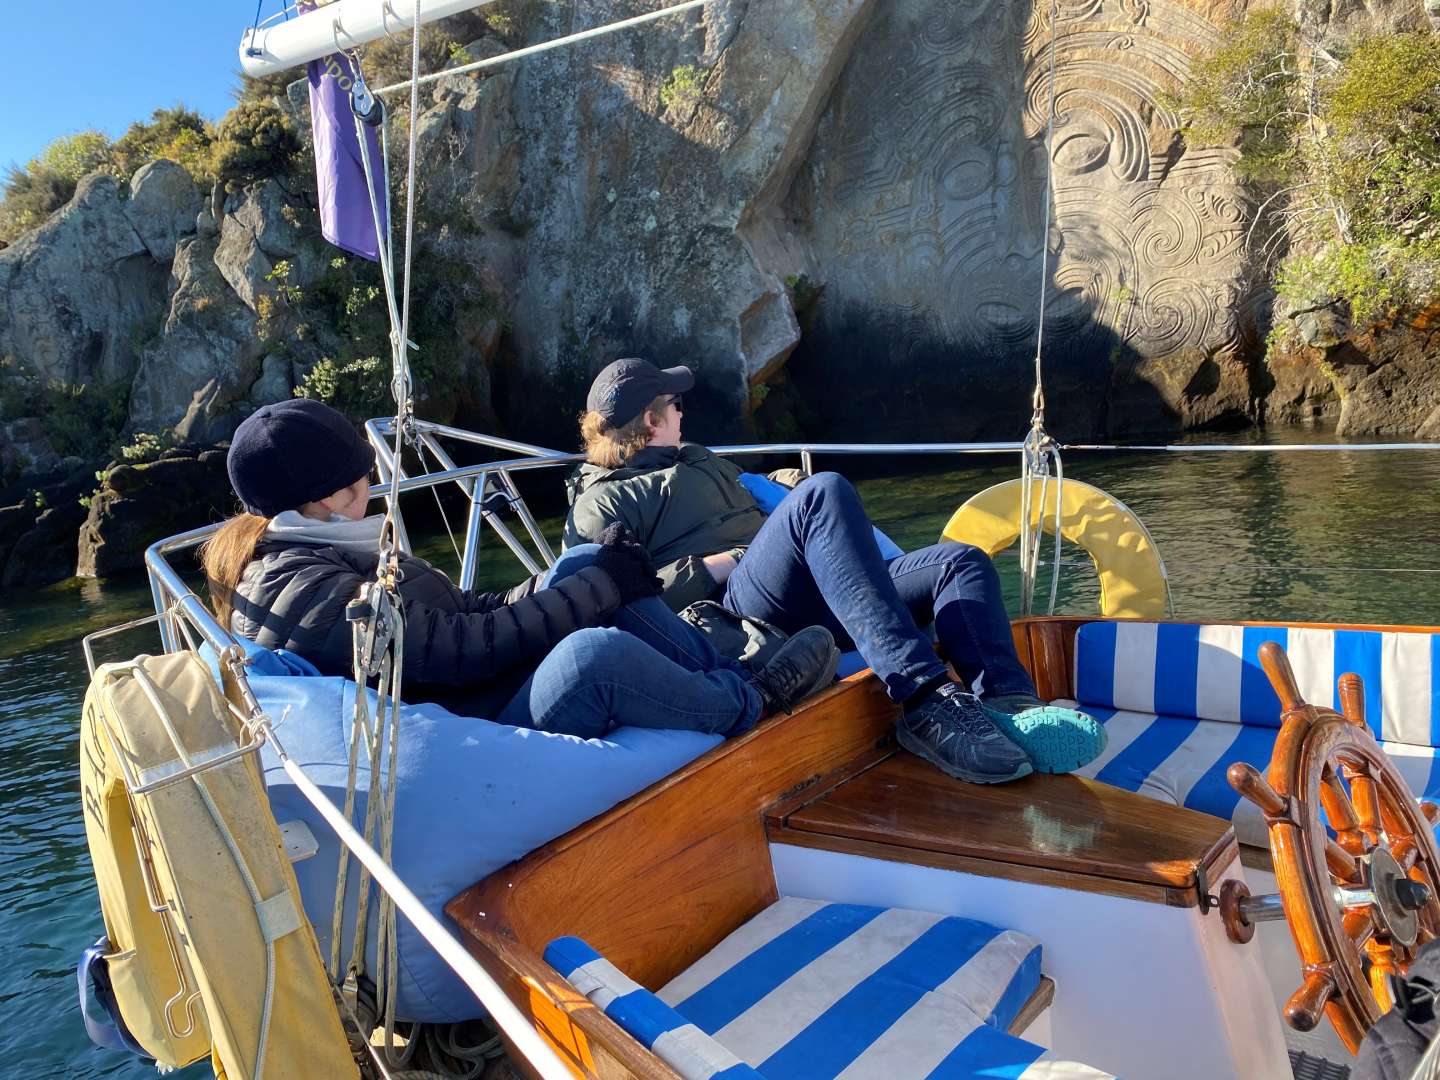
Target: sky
point(70, 65)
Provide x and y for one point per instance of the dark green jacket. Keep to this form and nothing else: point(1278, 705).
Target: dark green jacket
point(682, 503)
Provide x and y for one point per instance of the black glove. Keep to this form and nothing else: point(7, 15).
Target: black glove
point(628, 564)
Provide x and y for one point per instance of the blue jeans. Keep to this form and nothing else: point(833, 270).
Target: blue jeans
point(815, 562)
point(648, 668)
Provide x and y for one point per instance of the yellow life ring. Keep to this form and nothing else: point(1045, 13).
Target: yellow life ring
point(211, 953)
point(1133, 583)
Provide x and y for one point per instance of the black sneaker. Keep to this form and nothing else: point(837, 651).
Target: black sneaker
point(949, 729)
point(804, 665)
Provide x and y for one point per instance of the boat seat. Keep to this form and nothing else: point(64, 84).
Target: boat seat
point(809, 990)
point(1182, 702)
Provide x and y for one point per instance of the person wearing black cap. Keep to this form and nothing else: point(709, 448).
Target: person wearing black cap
point(815, 560)
point(575, 652)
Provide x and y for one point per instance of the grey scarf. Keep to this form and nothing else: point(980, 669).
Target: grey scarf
point(293, 527)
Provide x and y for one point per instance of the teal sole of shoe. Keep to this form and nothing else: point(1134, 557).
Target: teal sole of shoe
point(920, 750)
point(1057, 740)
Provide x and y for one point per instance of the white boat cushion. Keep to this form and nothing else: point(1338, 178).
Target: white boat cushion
point(1182, 760)
point(1212, 672)
point(809, 990)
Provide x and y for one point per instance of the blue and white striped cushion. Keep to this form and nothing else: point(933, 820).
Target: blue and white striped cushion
point(815, 991)
point(1181, 760)
point(663, 1031)
point(1212, 672)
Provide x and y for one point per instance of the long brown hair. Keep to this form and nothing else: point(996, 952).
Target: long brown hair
point(225, 556)
point(610, 447)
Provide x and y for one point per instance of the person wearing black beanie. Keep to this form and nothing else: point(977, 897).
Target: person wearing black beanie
point(572, 651)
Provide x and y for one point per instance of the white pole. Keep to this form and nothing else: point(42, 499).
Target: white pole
point(344, 24)
point(506, 1016)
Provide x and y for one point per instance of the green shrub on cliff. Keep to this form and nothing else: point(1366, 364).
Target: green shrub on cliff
point(180, 135)
point(72, 157)
point(33, 192)
point(81, 420)
point(1345, 147)
point(682, 88)
point(1244, 92)
point(360, 389)
point(255, 141)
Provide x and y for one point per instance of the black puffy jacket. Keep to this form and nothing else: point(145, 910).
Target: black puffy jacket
point(468, 651)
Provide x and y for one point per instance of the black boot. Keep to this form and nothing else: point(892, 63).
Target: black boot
point(804, 665)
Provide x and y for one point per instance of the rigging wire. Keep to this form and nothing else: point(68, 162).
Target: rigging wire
point(1038, 400)
point(544, 46)
point(422, 446)
point(1040, 455)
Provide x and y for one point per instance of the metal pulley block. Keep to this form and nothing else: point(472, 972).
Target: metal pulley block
point(365, 105)
point(372, 625)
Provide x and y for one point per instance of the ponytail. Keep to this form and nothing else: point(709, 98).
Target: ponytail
point(225, 557)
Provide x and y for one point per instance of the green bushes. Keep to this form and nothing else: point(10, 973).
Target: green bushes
point(255, 141)
point(81, 420)
point(681, 90)
point(180, 135)
point(1345, 145)
point(33, 192)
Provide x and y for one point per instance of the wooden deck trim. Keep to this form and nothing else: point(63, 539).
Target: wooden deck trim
point(1037, 1003)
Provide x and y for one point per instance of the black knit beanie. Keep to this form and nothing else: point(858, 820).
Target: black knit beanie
point(295, 452)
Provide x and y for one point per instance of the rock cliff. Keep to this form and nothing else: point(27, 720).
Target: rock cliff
point(833, 209)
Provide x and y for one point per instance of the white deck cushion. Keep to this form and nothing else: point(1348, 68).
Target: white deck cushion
point(1212, 672)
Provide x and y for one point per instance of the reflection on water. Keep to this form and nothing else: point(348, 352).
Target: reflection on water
point(1334, 537)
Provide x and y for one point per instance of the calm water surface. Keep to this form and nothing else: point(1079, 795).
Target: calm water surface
point(1336, 536)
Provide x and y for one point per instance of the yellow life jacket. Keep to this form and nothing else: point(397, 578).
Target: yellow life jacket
point(227, 966)
point(1133, 583)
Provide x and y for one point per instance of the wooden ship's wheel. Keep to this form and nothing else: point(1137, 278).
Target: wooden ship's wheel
point(1359, 902)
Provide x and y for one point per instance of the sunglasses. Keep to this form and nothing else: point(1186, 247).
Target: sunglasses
point(679, 402)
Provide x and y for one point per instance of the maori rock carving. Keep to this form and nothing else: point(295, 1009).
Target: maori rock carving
point(927, 177)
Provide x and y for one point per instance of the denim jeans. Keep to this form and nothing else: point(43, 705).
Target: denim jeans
point(648, 668)
point(815, 562)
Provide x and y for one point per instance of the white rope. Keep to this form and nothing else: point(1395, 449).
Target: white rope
point(532, 50)
point(518, 1028)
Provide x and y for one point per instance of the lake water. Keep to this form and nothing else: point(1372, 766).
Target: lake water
point(1345, 536)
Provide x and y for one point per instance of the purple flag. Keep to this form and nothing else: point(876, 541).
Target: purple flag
point(345, 215)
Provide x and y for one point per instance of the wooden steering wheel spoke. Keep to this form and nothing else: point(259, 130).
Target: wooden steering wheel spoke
point(1344, 867)
point(1405, 852)
point(1359, 925)
point(1304, 1008)
point(1341, 814)
point(1366, 800)
point(1354, 918)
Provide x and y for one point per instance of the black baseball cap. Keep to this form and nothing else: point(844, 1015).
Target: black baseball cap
point(622, 390)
